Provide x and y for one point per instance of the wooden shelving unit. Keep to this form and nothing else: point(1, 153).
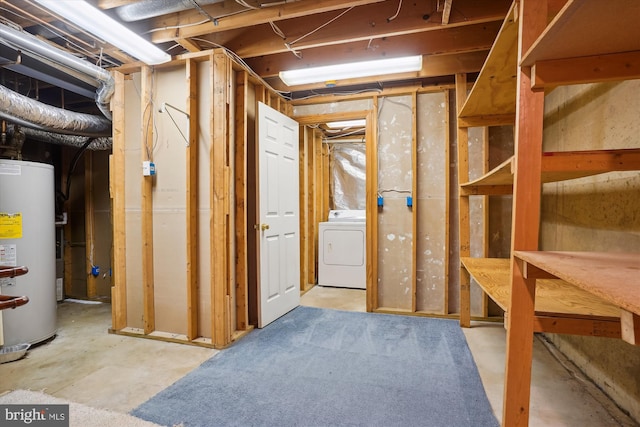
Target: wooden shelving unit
point(574, 293)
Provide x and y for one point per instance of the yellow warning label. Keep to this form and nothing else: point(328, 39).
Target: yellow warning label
point(10, 226)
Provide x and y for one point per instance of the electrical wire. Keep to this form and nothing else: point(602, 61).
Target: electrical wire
point(277, 30)
point(320, 27)
point(391, 18)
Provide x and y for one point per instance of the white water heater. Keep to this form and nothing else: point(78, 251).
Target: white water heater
point(27, 237)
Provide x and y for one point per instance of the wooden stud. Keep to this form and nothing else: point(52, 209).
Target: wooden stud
point(192, 201)
point(147, 201)
point(304, 212)
point(463, 205)
point(525, 220)
point(371, 136)
point(241, 130)
point(447, 192)
point(485, 213)
point(218, 161)
point(68, 259)
point(313, 212)
point(119, 290)
point(414, 205)
point(324, 209)
point(89, 227)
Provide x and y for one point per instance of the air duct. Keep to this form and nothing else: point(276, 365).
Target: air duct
point(30, 113)
point(151, 8)
point(34, 47)
point(101, 143)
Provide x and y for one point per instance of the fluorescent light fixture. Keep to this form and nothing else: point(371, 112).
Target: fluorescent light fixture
point(360, 123)
point(101, 25)
point(352, 70)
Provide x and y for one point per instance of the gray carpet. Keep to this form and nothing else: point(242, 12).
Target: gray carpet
point(318, 367)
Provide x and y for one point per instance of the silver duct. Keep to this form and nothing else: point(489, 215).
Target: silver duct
point(101, 143)
point(151, 8)
point(32, 46)
point(30, 113)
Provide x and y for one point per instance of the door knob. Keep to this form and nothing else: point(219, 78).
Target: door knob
point(264, 227)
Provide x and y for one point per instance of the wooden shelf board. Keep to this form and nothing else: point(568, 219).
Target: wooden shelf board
point(612, 277)
point(552, 296)
point(494, 93)
point(560, 166)
point(588, 28)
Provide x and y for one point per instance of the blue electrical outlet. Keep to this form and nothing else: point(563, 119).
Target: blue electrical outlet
point(409, 201)
point(380, 201)
point(95, 270)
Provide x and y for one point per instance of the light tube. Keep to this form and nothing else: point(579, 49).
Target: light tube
point(352, 70)
point(96, 22)
point(347, 124)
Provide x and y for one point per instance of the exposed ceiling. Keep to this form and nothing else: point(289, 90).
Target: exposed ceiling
point(454, 36)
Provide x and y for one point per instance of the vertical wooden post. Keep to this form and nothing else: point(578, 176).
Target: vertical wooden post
point(242, 283)
point(119, 290)
point(485, 213)
point(192, 201)
point(311, 204)
point(414, 205)
point(447, 203)
point(305, 240)
point(89, 227)
point(372, 205)
point(219, 250)
point(324, 156)
point(525, 222)
point(147, 201)
point(463, 205)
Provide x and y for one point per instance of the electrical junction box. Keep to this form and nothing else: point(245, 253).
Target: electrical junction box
point(148, 168)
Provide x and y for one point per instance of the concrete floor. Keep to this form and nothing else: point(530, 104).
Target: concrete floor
point(87, 365)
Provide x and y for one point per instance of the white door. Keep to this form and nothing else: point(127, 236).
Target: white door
point(279, 228)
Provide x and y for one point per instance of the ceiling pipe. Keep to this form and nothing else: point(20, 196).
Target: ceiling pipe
point(28, 112)
point(151, 8)
point(101, 143)
point(34, 47)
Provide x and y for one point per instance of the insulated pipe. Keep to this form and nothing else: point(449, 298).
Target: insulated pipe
point(151, 8)
point(101, 143)
point(32, 46)
point(30, 113)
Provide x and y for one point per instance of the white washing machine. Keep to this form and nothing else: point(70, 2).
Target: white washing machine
point(341, 250)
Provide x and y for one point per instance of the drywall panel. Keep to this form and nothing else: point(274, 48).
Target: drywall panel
point(431, 202)
point(169, 258)
point(133, 225)
point(395, 220)
point(596, 213)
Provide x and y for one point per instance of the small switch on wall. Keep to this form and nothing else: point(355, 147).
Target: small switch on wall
point(148, 168)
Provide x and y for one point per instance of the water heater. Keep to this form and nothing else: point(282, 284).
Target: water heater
point(27, 237)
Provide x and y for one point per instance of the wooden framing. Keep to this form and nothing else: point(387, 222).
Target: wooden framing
point(592, 298)
point(217, 292)
point(414, 204)
point(218, 160)
point(147, 202)
point(241, 216)
point(372, 206)
point(463, 204)
point(89, 226)
point(192, 201)
point(117, 180)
